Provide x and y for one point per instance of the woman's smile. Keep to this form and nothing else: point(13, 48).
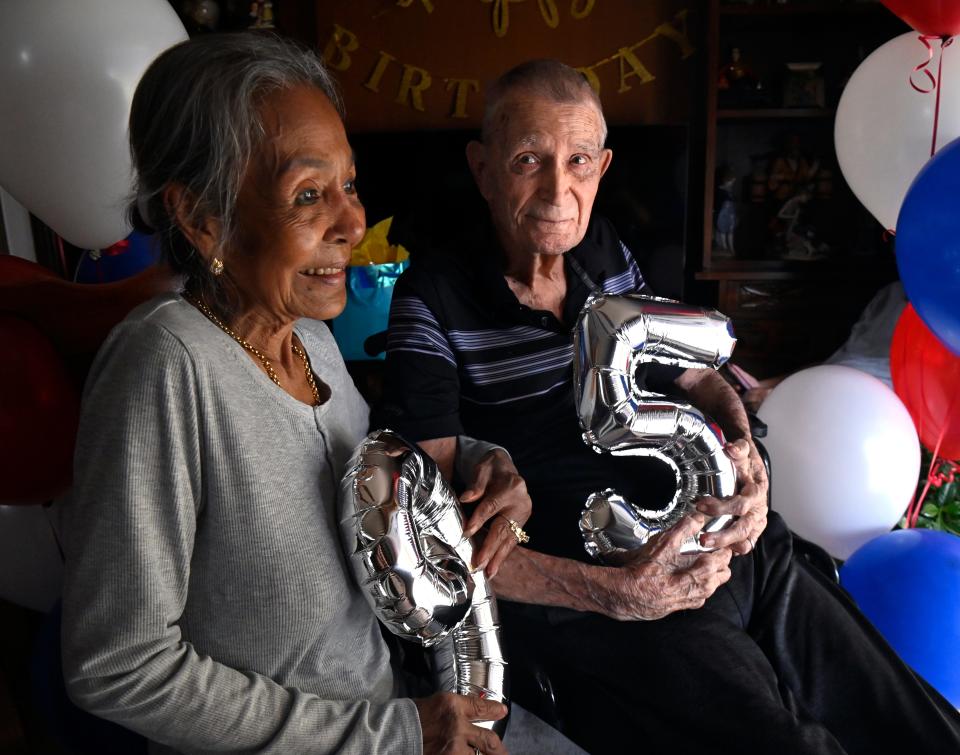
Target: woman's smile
point(327, 274)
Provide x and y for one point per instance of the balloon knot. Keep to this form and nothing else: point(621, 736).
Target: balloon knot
point(945, 473)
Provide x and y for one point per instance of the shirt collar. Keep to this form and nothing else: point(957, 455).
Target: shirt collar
point(486, 258)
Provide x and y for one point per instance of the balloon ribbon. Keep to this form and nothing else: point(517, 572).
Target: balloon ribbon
point(935, 82)
point(942, 471)
point(935, 477)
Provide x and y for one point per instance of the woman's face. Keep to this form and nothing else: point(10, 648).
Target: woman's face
point(298, 215)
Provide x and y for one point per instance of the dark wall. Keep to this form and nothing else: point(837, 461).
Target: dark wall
point(421, 178)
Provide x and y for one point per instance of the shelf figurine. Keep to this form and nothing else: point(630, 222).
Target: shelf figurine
point(798, 236)
point(758, 178)
point(203, 14)
point(261, 15)
point(804, 86)
point(727, 216)
point(791, 170)
point(737, 84)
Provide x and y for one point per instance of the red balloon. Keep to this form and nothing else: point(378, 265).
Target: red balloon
point(926, 377)
point(938, 17)
point(39, 411)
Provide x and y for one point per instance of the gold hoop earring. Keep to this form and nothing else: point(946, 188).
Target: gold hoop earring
point(216, 267)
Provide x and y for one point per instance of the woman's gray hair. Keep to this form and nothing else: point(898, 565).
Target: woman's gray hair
point(195, 122)
point(545, 78)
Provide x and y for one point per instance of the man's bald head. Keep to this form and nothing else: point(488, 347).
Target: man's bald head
point(541, 159)
point(548, 79)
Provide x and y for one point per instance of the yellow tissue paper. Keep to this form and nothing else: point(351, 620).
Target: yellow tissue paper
point(374, 249)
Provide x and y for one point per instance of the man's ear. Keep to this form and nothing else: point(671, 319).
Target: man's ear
point(477, 159)
point(606, 156)
point(202, 232)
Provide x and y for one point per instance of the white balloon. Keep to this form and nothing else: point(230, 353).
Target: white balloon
point(68, 71)
point(844, 456)
point(884, 127)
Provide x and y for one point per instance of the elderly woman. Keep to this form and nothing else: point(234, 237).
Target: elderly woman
point(208, 604)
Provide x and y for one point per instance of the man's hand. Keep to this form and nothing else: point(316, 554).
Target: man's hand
point(502, 495)
point(753, 397)
point(749, 503)
point(446, 720)
point(661, 580)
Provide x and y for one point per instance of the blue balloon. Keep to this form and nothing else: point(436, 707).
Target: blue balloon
point(928, 245)
point(123, 260)
point(908, 584)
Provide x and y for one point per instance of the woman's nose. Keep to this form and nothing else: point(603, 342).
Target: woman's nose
point(350, 222)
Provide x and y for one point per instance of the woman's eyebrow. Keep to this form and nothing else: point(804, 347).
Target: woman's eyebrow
point(308, 161)
point(302, 161)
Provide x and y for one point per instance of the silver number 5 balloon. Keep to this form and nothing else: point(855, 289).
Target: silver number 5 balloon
point(615, 335)
point(403, 527)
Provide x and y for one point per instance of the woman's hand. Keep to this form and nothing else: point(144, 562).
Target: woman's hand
point(748, 504)
point(447, 719)
point(660, 580)
point(502, 495)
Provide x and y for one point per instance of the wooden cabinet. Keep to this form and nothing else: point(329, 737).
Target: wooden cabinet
point(793, 255)
point(785, 320)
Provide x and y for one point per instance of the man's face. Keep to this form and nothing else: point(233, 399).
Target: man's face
point(541, 171)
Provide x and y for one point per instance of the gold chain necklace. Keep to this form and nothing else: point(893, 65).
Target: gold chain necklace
point(264, 360)
point(306, 366)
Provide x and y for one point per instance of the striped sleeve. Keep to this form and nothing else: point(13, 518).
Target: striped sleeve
point(630, 280)
point(421, 392)
point(414, 328)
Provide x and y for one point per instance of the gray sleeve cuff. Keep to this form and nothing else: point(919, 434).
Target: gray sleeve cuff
point(469, 453)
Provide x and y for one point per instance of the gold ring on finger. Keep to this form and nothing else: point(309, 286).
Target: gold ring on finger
point(517, 530)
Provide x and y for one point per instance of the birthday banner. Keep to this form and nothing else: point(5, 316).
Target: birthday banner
point(412, 64)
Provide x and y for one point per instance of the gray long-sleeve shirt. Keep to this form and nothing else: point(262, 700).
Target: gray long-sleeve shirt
point(207, 601)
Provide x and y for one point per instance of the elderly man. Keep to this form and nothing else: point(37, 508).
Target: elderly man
point(740, 649)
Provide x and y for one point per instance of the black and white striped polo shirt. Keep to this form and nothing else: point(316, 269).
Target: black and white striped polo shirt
point(465, 356)
point(459, 340)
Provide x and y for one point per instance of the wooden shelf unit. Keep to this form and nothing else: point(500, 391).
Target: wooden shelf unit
point(789, 313)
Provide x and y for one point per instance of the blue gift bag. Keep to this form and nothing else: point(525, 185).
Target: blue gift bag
point(369, 291)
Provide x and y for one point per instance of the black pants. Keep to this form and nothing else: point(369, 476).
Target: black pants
point(778, 661)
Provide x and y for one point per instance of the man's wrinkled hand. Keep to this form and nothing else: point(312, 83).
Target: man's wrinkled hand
point(501, 496)
point(748, 504)
point(660, 580)
point(447, 720)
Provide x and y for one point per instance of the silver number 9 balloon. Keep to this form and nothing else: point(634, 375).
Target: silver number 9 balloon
point(615, 335)
point(404, 531)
